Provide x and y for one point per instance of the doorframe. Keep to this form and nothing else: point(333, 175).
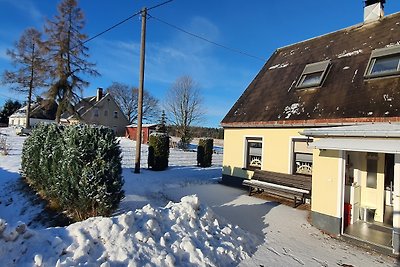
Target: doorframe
point(341, 186)
point(396, 205)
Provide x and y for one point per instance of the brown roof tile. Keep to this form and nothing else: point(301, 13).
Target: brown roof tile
point(271, 98)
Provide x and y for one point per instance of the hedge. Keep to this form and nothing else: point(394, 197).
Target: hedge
point(78, 167)
point(204, 152)
point(158, 151)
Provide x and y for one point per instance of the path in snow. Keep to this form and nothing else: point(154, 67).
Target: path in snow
point(289, 239)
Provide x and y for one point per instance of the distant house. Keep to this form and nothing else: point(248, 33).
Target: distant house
point(42, 111)
point(329, 108)
point(147, 129)
point(99, 110)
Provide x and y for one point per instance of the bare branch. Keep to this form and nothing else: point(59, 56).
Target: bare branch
point(184, 106)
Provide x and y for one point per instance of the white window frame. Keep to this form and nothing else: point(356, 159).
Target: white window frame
point(292, 139)
point(322, 66)
point(245, 147)
point(380, 53)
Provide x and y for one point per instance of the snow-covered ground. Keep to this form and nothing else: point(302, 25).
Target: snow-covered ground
point(219, 226)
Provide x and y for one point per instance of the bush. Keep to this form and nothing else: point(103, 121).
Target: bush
point(78, 167)
point(158, 151)
point(204, 152)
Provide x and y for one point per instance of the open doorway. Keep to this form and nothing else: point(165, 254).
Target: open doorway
point(368, 197)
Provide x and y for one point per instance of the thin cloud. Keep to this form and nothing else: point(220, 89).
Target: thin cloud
point(218, 78)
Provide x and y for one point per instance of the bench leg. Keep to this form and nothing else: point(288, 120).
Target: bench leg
point(250, 188)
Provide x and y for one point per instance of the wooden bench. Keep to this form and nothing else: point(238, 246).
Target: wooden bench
point(296, 187)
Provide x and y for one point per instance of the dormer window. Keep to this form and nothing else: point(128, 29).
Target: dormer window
point(384, 62)
point(313, 74)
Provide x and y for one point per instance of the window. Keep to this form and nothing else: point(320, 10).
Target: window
point(372, 169)
point(302, 157)
point(115, 114)
point(96, 112)
point(313, 74)
point(384, 62)
point(254, 153)
point(105, 113)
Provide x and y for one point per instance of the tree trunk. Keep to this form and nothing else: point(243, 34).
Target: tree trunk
point(28, 110)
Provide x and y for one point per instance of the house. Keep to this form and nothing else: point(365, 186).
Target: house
point(147, 129)
point(99, 110)
point(329, 107)
point(42, 111)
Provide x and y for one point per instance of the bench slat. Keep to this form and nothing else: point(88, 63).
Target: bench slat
point(262, 184)
point(299, 181)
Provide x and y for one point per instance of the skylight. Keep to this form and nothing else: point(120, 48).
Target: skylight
point(313, 74)
point(384, 62)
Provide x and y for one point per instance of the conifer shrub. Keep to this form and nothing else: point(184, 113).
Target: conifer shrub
point(158, 151)
point(78, 167)
point(204, 152)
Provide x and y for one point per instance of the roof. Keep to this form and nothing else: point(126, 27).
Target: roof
point(143, 125)
point(271, 99)
point(81, 107)
point(359, 145)
point(45, 110)
point(385, 130)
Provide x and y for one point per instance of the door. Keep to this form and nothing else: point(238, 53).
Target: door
point(355, 201)
point(389, 187)
point(372, 187)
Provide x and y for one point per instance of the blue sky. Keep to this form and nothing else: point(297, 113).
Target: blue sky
point(257, 27)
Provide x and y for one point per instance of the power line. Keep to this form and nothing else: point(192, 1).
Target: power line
point(122, 22)
point(110, 28)
point(207, 40)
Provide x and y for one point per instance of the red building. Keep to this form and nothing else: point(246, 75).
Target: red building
point(147, 129)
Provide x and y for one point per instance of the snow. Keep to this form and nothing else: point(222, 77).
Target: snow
point(186, 233)
point(279, 66)
point(393, 44)
point(178, 217)
point(293, 109)
point(387, 98)
point(354, 76)
point(349, 54)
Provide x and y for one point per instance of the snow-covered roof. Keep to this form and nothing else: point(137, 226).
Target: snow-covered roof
point(273, 98)
point(385, 130)
point(45, 110)
point(143, 125)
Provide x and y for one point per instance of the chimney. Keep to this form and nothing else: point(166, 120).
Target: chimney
point(373, 10)
point(99, 95)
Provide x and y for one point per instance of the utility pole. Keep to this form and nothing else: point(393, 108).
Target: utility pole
point(140, 96)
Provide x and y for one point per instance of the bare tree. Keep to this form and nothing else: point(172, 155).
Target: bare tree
point(30, 67)
point(184, 105)
point(69, 56)
point(127, 99)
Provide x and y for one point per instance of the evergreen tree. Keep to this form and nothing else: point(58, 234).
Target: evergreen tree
point(8, 109)
point(31, 71)
point(69, 56)
point(162, 126)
